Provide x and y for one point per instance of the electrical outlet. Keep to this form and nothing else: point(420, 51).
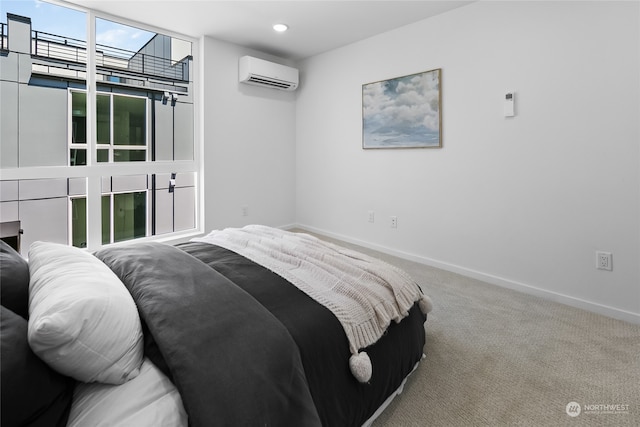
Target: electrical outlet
point(604, 261)
point(372, 216)
point(394, 222)
point(245, 210)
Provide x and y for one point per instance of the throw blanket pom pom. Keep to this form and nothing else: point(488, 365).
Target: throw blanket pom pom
point(360, 365)
point(425, 304)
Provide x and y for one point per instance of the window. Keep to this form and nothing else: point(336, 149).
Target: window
point(124, 217)
point(129, 121)
point(91, 164)
point(126, 115)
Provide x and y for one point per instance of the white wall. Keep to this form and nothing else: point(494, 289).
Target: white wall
point(522, 202)
point(249, 144)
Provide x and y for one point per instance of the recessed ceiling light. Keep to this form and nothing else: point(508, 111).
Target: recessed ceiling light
point(281, 28)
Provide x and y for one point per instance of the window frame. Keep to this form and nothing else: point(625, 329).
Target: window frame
point(94, 171)
point(111, 146)
point(111, 195)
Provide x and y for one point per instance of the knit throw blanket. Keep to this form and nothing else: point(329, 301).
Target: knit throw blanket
point(365, 294)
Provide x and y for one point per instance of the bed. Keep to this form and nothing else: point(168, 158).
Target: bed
point(245, 326)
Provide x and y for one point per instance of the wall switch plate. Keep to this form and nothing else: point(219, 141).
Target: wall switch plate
point(604, 261)
point(245, 210)
point(371, 216)
point(394, 222)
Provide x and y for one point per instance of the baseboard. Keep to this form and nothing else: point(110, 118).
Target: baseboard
point(288, 227)
point(593, 307)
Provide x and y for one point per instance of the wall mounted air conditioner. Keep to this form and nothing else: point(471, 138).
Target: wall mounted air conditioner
point(259, 72)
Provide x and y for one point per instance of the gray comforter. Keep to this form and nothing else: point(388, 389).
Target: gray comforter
point(233, 362)
point(247, 348)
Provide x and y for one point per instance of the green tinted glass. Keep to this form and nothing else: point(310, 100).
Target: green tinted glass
point(129, 216)
point(129, 155)
point(103, 120)
point(79, 222)
point(129, 120)
point(79, 117)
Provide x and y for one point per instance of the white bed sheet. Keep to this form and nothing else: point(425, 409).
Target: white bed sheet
point(149, 400)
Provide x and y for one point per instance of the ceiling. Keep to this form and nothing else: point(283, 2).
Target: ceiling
point(314, 26)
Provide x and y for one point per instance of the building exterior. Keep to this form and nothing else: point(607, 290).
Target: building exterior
point(144, 115)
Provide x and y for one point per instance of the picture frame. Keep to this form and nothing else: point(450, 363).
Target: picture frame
point(403, 112)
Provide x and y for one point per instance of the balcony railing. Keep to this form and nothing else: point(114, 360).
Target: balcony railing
point(109, 58)
point(57, 47)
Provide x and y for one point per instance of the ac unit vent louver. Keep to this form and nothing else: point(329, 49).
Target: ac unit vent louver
point(259, 72)
point(269, 82)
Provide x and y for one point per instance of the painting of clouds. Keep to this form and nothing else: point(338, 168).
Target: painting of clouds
point(403, 112)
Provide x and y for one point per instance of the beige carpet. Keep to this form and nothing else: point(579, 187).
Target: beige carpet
point(496, 357)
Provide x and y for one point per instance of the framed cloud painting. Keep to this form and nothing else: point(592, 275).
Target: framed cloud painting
point(403, 112)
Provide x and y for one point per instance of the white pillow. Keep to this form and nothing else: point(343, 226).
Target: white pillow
point(149, 400)
point(82, 320)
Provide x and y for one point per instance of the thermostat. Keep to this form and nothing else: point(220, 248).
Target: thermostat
point(509, 99)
